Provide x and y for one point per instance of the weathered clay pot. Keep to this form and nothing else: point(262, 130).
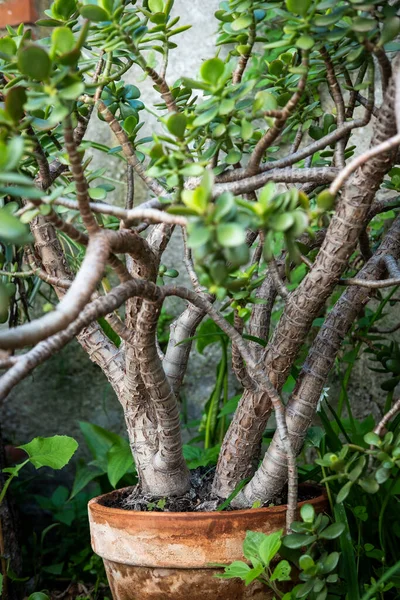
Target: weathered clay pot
point(167, 556)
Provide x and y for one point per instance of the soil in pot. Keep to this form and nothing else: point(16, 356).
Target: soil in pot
point(165, 555)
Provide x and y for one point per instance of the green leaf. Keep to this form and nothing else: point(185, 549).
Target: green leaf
point(15, 100)
point(298, 540)
point(205, 117)
point(198, 236)
point(12, 231)
point(97, 193)
point(38, 596)
point(282, 222)
point(362, 24)
point(305, 42)
point(390, 30)
point(34, 62)
point(7, 46)
point(230, 234)
point(330, 562)
point(63, 40)
point(264, 101)
point(252, 543)
point(99, 441)
point(281, 571)
point(270, 546)
point(54, 452)
point(119, 462)
point(73, 91)
point(298, 7)
point(212, 70)
point(369, 484)
point(332, 532)
point(344, 492)
point(64, 8)
point(93, 12)
point(156, 6)
point(177, 124)
point(372, 439)
point(235, 569)
point(253, 574)
point(307, 513)
point(325, 200)
point(84, 474)
point(243, 22)
point(192, 170)
point(306, 562)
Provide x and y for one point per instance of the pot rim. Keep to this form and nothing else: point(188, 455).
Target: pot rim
point(100, 509)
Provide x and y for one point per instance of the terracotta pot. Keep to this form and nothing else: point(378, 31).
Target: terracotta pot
point(162, 556)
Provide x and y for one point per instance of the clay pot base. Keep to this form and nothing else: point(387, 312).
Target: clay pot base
point(168, 556)
point(139, 583)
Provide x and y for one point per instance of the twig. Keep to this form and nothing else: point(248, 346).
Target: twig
point(389, 415)
point(361, 160)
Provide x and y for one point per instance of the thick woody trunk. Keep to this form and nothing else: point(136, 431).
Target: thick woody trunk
point(170, 475)
point(272, 473)
point(304, 304)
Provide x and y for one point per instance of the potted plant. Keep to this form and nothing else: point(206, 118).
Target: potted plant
point(260, 176)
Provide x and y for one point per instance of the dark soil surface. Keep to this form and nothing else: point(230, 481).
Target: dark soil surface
point(198, 498)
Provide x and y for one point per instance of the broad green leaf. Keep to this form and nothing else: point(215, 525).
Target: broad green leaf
point(97, 193)
point(119, 462)
point(192, 170)
point(177, 124)
point(64, 8)
point(253, 573)
point(84, 474)
point(325, 200)
point(282, 222)
point(281, 571)
point(390, 29)
point(54, 452)
point(298, 540)
point(12, 231)
point(230, 234)
point(270, 546)
point(7, 46)
point(330, 562)
point(212, 69)
point(305, 42)
point(252, 543)
point(363, 24)
point(369, 484)
point(90, 10)
point(235, 569)
point(73, 91)
point(332, 532)
point(243, 22)
point(15, 100)
point(198, 236)
point(307, 513)
point(99, 441)
point(306, 562)
point(298, 7)
point(63, 40)
point(233, 157)
point(372, 439)
point(34, 62)
point(156, 6)
point(205, 117)
point(264, 101)
point(38, 596)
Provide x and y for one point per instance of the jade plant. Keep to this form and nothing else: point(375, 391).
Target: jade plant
point(252, 163)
